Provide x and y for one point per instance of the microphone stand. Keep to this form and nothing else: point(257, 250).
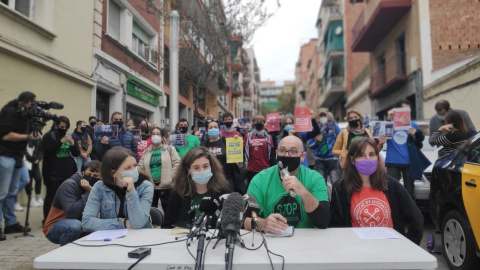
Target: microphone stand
point(201, 243)
point(230, 247)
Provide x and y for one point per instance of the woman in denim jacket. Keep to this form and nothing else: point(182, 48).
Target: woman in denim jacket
point(120, 200)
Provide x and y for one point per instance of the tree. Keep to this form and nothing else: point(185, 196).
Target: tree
point(286, 101)
point(267, 109)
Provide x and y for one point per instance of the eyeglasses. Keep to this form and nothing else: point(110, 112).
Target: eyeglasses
point(212, 120)
point(291, 152)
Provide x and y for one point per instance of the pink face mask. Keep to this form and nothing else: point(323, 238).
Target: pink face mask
point(367, 166)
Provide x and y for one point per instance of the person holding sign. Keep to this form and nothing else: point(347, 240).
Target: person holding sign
point(124, 138)
point(229, 131)
point(191, 140)
point(217, 145)
point(145, 139)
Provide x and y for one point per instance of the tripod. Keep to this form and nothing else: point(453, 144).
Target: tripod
point(25, 229)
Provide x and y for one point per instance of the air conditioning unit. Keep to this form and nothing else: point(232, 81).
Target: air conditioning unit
point(151, 55)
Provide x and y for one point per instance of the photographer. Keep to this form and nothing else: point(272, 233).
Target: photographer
point(58, 163)
point(13, 142)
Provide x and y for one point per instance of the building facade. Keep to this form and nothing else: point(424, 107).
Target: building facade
point(268, 95)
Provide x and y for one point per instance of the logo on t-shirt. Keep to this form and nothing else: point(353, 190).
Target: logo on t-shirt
point(400, 137)
point(217, 151)
point(289, 208)
point(372, 212)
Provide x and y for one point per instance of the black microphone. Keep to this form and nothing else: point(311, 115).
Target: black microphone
point(55, 105)
point(208, 206)
point(251, 208)
point(232, 216)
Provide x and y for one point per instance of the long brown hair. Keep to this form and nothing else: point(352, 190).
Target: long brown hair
point(111, 161)
point(183, 183)
point(456, 119)
point(352, 180)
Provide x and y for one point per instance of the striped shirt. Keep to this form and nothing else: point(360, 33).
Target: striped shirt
point(449, 140)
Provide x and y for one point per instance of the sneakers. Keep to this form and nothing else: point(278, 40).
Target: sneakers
point(2, 235)
point(34, 203)
point(39, 201)
point(15, 228)
point(17, 207)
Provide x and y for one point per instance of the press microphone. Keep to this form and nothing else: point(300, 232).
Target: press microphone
point(207, 207)
point(232, 216)
point(284, 173)
point(220, 208)
point(55, 105)
point(251, 208)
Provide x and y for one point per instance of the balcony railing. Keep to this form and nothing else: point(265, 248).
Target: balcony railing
point(334, 82)
point(393, 71)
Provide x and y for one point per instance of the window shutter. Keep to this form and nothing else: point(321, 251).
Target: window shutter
point(114, 20)
point(23, 6)
point(140, 34)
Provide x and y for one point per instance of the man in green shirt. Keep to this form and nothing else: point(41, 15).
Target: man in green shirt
point(308, 208)
point(192, 140)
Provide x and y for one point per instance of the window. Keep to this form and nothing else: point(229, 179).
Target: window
point(114, 20)
point(25, 7)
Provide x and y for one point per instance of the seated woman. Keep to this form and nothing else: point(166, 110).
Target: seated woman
point(367, 197)
point(122, 199)
point(201, 175)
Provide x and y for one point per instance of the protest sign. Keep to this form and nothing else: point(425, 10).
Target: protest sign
point(234, 149)
point(178, 140)
point(401, 119)
point(100, 131)
point(272, 122)
point(380, 128)
point(302, 121)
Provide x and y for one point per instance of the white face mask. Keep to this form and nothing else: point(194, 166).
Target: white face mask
point(156, 139)
point(323, 120)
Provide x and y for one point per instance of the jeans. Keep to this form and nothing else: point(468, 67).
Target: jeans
point(65, 231)
point(9, 178)
point(328, 167)
point(81, 162)
point(23, 180)
point(407, 178)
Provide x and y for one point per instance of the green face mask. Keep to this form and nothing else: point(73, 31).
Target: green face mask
point(441, 117)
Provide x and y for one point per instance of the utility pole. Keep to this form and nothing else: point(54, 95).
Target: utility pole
point(174, 41)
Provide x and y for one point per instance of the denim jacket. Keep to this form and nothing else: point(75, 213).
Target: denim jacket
point(102, 206)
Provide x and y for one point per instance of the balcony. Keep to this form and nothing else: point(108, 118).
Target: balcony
point(247, 76)
point(368, 32)
point(237, 89)
point(332, 13)
point(334, 90)
point(388, 75)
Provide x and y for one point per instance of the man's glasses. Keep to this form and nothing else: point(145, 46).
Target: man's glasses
point(291, 153)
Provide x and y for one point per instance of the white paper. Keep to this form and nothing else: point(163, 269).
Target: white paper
point(106, 235)
point(287, 232)
point(375, 233)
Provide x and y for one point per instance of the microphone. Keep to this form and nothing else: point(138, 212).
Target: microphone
point(232, 222)
point(283, 173)
point(208, 206)
point(220, 208)
point(251, 208)
point(55, 105)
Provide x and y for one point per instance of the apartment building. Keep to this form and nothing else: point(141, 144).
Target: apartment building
point(303, 68)
point(268, 94)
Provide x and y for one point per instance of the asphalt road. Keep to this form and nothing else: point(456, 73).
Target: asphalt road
point(429, 229)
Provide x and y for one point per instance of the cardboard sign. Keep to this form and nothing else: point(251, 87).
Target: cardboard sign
point(234, 150)
point(110, 131)
point(272, 122)
point(402, 119)
point(302, 121)
point(380, 128)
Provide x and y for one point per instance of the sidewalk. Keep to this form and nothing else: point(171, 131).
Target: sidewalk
point(19, 253)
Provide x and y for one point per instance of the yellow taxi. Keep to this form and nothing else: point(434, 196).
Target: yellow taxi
point(455, 204)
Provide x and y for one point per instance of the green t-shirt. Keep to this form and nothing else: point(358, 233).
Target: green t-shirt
point(268, 190)
point(156, 165)
point(192, 142)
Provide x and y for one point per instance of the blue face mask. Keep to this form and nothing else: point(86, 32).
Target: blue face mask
point(202, 177)
point(287, 128)
point(441, 117)
point(213, 133)
point(133, 173)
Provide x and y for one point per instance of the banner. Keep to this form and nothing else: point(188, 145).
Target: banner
point(380, 128)
point(273, 122)
point(401, 119)
point(234, 150)
point(100, 131)
point(302, 121)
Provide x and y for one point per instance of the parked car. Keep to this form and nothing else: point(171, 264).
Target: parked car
point(458, 202)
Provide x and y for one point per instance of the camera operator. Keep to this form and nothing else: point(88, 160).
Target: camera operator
point(13, 142)
point(58, 162)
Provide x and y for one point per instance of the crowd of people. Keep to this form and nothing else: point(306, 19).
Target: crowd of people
point(121, 181)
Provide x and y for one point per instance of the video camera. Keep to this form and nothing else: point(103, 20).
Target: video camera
point(38, 116)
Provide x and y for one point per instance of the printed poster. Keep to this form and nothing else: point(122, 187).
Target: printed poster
point(380, 128)
point(234, 150)
point(272, 122)
point(402, 119)
point(302, 121)
point(178, 140)
point(110, 131)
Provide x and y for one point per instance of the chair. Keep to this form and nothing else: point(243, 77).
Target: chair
point(156, 216)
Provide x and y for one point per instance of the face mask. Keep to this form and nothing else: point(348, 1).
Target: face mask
point(183, 129)
point(323, 120)
point(441, 117)
point(367, 166)
point(156, 139)
point(62, 132)
point(259, 126)
point(92, 124)
point(143, 128)
point(91, 180)
point(213, 133)
point(133, 173)
point(228, 131)
point(228, 124)
point(202, 177)
point(287, 128)
point(354, 123)
point(291, 162)
point(119, 123)
point(83, 129)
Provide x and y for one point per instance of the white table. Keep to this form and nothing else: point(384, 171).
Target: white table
point(333, 248)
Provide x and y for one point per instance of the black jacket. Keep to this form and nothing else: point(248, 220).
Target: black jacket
point(407, 218)
point(55, 163)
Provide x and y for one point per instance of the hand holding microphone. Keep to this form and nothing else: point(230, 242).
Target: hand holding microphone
point(283, 174)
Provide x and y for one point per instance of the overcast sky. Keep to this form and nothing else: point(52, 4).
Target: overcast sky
point(277, 45)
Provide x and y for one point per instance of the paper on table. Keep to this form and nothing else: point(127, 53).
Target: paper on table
point(287, 232)
point(106, 235)
point(375, 233)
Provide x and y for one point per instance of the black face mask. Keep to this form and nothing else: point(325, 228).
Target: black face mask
point(119, 123)
point(183, 129)
point(259, 126)
point(91, 180)
point(354, 123)
point(62, 132)
point(143, 128)
point(228, 124)
point(83, 129)
point(92, 124)
point(291, 162)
